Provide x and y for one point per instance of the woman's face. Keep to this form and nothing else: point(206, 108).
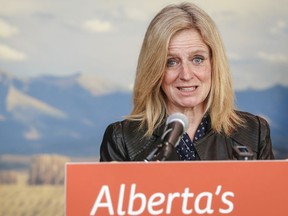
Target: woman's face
point(187, 79)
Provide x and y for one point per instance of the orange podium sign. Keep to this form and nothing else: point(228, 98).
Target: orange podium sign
point(238, 188)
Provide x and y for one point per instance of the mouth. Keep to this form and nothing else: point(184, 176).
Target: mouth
point(187, 89)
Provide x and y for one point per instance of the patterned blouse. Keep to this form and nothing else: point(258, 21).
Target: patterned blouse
point(186, 149)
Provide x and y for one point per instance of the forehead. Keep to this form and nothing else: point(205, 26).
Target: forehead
point(188, 38)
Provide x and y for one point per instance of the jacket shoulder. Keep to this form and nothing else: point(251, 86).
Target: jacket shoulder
point(122, 141)
point(112, 148)
point(249, 133)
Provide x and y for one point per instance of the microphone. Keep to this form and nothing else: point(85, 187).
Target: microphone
point(176, 125)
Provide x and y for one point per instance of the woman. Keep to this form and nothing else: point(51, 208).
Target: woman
point(182, 67)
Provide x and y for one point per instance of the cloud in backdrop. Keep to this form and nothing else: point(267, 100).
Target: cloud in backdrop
point(104, 37)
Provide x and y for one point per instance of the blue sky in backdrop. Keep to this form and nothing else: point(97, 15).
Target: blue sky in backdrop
point(103, 37)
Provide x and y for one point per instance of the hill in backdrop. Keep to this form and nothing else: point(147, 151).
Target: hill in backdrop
point(68, 115)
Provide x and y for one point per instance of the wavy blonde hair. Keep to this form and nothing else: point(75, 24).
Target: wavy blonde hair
point(149, 99)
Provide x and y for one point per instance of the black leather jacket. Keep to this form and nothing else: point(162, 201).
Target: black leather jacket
point(123, 141)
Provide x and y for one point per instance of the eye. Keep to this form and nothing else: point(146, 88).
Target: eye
point(171, 62)
point(198, 60)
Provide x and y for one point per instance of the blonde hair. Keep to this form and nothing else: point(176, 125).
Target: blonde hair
point(148, 98)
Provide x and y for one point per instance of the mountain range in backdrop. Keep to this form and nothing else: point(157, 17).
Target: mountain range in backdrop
point(68, 115)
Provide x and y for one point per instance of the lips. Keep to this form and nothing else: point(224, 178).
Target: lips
point(187, 89)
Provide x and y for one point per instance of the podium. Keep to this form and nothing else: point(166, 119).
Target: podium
point(238, 188)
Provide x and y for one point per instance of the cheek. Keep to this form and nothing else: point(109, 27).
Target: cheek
point(205, 75)
point(167, 82)
point(169, 77)
point(206, 78)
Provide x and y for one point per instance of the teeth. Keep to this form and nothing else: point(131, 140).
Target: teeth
point(187, 88)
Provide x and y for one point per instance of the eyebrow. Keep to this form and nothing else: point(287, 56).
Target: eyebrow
point(200, 51)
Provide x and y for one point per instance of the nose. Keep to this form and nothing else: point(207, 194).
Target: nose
point(186, 72)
